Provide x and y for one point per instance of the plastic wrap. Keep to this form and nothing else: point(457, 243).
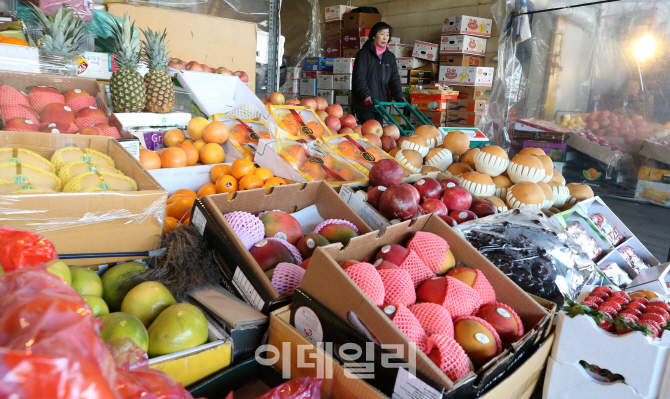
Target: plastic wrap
point(633, 259)
point(50, 346)
point(541, 258)
point(607, 229)
point(297, 388)
point(585, 241)
point(615, 274)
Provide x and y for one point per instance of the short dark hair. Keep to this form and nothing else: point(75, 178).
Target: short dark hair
point(378, 27)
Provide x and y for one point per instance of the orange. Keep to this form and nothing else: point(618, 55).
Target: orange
point(173, 138)
point(180, 208)
point(249, 182)
point(327, 160)
point(215, 132)
point(195, 127)
point(169, 225)
point(186, 193)
point(274, 181)
point(242, 167)
point(218, 171)
point(344, 173)
point(173, 157)
point(198, 144)
point(175, 197)
point(375, 153)
point(347, 149)
point(315, 170)
point(212, 153)
point(192, 155)
point(149, 159)
point(186, 220)
point(14, 40)
point(1, 37)
point(317, 128)
point(226, 184)
point(291, 124)
point(237, 134)
point(188, 141)
point(207, 189)
point(263, 173)
point(298, 153)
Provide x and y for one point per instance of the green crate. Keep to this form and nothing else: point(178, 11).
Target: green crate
point(406, 128)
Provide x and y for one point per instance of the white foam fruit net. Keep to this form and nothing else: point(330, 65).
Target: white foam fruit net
point(245, 111)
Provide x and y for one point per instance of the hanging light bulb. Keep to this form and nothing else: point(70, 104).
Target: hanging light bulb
point(645, 47)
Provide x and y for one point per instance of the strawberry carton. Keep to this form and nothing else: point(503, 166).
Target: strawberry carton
point(611, 331)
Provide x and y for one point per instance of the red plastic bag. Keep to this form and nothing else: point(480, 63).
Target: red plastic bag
point(297, 388)
point(19, 249)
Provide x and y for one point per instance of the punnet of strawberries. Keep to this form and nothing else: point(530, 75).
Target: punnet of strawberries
point(618, 313)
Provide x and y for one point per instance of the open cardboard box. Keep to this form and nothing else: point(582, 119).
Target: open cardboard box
point(657, 152)
point(252, 378)
point(327, 283)
point(242, 274)
point(88, 223)
point(594, 150)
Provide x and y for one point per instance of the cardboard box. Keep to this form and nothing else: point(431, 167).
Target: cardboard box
point(343, 65)
point(594, 150)
point(89, 223)
point(350, 52)
point(401, 50)
point(327, 283)
point(419, 81)
point(426, 71)
point(242, 274)
point(555, 151)
point(343, 97)
point(329, 95)
point(333, 28)
point(463, 117)
point(360, 20)
point(474, 93)
point(318, 64)
point(342, 82)
point(324, 82)
point(410, 63)
point(655, 192)
point(335, 13)
point(461, 60)
point(292, 86)
point(437, 118)
point(333, 48)
point(466, 76)
point(308, 87)
point(425, 50)
point(431, 100)
point(655, 151)
point(354, 37)
point(466, 105)
point(654, 174)
point(314, 74)
point(463, 24)
point(463, 44)
point(236, 52)
point(190, 177)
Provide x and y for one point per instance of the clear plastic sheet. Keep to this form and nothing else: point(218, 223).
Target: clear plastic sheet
point(539, 257)
point(615, 274)
point(297, 388)
point(565, 58)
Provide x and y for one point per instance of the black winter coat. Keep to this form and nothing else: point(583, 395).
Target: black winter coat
point(371, 77)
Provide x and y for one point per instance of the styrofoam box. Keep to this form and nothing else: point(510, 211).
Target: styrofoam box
point(641, 360)
point(343, 65)
point(653, 279)
point(308, 87)
point(324, 82)
point(640, 249)
point(463, 44)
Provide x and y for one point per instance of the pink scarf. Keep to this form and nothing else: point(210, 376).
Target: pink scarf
point(379, 50)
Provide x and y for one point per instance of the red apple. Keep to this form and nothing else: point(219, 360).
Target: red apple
point(373, 139)
point(415, 192)
point(321, 103)
point(457, 199)
point(483, 208)
point(293, 101)
point(333, 123)
point(176, 63)
point(266, 102)
point(388, 143)
point(223, 71)
point(348, 121)
point(592, 126)
point(372, 126)
point(448, 183)
point(448, 220)
point(277, 98)
point(194, 66)
point(398, 202)
point(387, 173)
point(345, 130)
point(434, 206)
point(603, 122)
point(393, 253)
point(357, 129)
point(309, 102)
point(335, 110)
point(205, 68)
point(461, 216)
point(305, 263)
point(428, 187)
point(391, 131)
point(604, 114)
point(242, 75)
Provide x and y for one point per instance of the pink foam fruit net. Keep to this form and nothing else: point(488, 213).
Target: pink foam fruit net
point(398, 287)
point(249, 228)
point(461, 299)
point(293, 249)
point(453, 360)
point(417, 270)
point(408, 324)
point(434, 318)
point(484, 288)
point(368, 280)
point(431, 248)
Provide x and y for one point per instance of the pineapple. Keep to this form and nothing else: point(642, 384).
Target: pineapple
point(160, 93)
point(126, 85)
point(62, 32)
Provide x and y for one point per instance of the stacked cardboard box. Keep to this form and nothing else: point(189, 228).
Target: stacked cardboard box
point(462, 50)
point(315, 69)
point(346, 32)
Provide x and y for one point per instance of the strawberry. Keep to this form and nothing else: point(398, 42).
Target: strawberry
point(660, 304)
point(618, 299)
point(635, 305)
point(608, 310)
point(633, 312)
point(658, 310)
point(602, 295)
point(655, 330)
point(616, 305)
point(590, 302)
point(653, 317)
point(641, 300)
point(606, 325)
point(604, 289)
point(621, 294)
point(598, 300)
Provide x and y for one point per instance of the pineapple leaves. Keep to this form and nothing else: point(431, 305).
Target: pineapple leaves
point(62, 32)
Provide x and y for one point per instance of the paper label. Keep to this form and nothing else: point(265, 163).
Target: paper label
point(132, 146)
point(503, 312)
point(198, 220)
point(482, 338)
point(248, 292)
point(309, 325)
point(408, 386)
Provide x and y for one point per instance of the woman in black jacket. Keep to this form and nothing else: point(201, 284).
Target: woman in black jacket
point(375, 69)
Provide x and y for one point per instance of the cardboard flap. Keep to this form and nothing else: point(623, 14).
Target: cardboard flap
point(229, 309)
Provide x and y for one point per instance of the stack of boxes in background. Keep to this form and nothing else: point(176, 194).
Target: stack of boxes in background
point(342, 76)
point(315, 70)
point(462, 51)
point(332, 47)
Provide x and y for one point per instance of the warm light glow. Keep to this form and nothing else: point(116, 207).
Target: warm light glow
point(645, 47)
